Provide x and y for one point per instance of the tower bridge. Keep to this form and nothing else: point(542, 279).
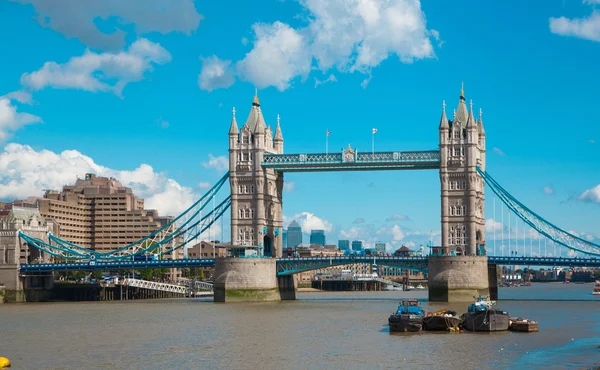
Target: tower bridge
point(257, 163)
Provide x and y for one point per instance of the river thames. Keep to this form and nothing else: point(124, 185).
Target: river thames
point(342, 330)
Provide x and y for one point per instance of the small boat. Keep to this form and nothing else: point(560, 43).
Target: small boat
point(393, 288)
point(441, 320)
point(483, 316)
point(596, 290)
point(408, 317)
point(520, 324)
point(420, 287)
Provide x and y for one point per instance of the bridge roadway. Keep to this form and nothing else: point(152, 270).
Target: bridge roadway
point(292, 265)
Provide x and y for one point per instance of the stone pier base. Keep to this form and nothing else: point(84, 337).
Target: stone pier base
point(13, 288)
point(288, 287)
point(457, 278)
point(246, 280)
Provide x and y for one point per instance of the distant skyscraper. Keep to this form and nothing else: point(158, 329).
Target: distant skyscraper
point(357, 245)
point(317, 237)
point(344, 245)
point(294, 235)
point(284, 238)
point(380, 248)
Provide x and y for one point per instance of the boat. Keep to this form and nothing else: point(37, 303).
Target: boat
point(407, 318)
point(596, 290)
point(393, 288)
point(420, 287)
point(520, 324)
point(484, 316)
point(441, 320)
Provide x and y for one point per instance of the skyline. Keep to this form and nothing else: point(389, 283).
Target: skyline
point(160, 90)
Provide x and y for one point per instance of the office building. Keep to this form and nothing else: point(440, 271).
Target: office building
point(357, 245)
point(101, 214)
point(344, 245)
point(284, 239)
point(317, 237)
point(294, 235)
point(380, 248)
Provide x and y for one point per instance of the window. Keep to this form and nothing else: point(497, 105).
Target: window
point(245, 139)
point(457, 133)
point(245, 157)
point(452, 185)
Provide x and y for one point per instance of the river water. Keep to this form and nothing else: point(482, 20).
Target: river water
point(340, 330)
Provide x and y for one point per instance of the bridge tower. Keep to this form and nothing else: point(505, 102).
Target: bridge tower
point(256, 192)
point(462, 150)
point(461, 271)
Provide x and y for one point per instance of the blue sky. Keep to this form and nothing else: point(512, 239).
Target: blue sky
point(143, 91)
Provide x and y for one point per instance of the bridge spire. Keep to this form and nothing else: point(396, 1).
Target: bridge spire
point(461, 111)
point(481, 130)
point(444, 119)
point(233, 129)
point(471, 118)
point(278, 138)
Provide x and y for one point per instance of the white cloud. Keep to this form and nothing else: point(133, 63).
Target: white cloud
point(346, 35)
point(99, 72)
point(11, 120)
point(359, 35)
point(289, 186)
point(498, 151)
point(204, 185)
point(492, 225)
point(220, 163)
point(309, 221)
point(359, 220)
point(215, 74)
point(23, 97)
point(330, 78)
point(591, 195)
point(586, 28)
point(85, 19)
point(280, 54)
point(548, 190)
point(26, 172)
point(397, 217)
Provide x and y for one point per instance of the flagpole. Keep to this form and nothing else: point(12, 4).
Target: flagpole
point(373, 143)
point(327, 141)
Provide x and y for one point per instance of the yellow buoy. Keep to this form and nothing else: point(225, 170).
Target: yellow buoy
point(4, 362)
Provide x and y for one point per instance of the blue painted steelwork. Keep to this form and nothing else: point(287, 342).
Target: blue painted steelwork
point(546, 261)
point(353, 161)
point(117, 265)
point(540, 224)
point(175, 235)
point(294, 265)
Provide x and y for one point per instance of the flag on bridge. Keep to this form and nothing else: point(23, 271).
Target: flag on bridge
point(328, 132)
point(374, 130)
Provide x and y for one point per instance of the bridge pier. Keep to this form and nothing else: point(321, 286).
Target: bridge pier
point(13, 287)
point(245, 280)
point(457, 278)
point(288, 287)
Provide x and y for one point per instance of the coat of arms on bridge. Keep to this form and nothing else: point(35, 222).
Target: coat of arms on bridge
point(349, 155)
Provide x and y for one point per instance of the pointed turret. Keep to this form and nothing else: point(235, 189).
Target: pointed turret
point(471, 118)
point(461, 111)
point(278, 134)
point(480, 126)
point(444, 119)
point(255, 121)
point(233, 129)
point(278, 142)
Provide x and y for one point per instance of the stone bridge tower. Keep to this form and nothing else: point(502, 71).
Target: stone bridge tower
point(462, 150)
point(256, 192)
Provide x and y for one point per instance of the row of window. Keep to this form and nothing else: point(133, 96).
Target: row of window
point(458, 185)
point(245, 156)
point(458, 235)
point(456, 151)
point(246, 235)
point(245, 189)
point(458, 210)
point(246, 213)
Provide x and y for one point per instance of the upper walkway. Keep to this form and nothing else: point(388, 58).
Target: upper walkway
point(292, 265)
point(351, 160)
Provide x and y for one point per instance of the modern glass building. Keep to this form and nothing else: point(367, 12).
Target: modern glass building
point(357, 245)
point(284, 239)
point(294, 235)
point(380, 248)
point(344, 245)
point(317, 237)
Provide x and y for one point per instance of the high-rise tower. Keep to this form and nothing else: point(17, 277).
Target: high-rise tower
point(462, 150)
point(256, 206)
